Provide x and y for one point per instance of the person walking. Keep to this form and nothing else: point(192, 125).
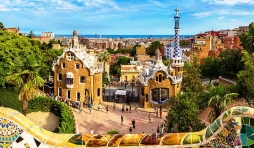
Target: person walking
point(122, 119)
point(157, 113)
point(149, 118)
point(107, 108)
point(99, 106)
point(114, 105)
point(91, 131)
point(136, 108)
point(90, 108)
point(133, 123)
point(80, 107)
point(158, 129)
point(160, 113)
point(130, 130)
point(123, 108)
point(162, 129)
point(155, 109)
point(130, 108)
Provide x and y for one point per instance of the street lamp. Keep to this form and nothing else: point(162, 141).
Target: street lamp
point(132, 84)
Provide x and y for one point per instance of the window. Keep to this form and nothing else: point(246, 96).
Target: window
point(63, 65)
point(160, 78)
point(60, 77)
point(68, 94)
point(156, 78)
point(98, 92)
point(69, 81)
point(78, 96)
point(77, 66)
point(82, 79)
point(163, 78)
point(178, 69)
point(159, 95)
point(60, 91)
point(171, 73)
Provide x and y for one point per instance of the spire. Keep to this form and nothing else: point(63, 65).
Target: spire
point(177, 46)
point(177, 57)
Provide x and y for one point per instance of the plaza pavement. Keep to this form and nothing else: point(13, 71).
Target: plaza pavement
point(101, 121)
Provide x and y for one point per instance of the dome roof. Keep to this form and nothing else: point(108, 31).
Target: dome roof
point(157, 52)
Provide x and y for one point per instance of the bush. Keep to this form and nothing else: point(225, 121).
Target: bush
point(9, 98)
point(60, 109)
point(113, 131)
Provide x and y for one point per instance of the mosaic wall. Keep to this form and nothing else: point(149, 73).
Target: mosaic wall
point(233, 129)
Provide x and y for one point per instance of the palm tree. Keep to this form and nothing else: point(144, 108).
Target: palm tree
point(25, 76)
point(105, 58)
point(219, 99)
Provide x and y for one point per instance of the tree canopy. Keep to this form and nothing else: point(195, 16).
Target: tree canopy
point(184, 112)
point(247, 39)
point(1, 26)
point(245, 82)
point(116, 68)
point(191, 80)
point(13, 46)
point(154, 45)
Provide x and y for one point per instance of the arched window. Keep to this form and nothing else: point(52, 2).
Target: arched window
point(146, 97)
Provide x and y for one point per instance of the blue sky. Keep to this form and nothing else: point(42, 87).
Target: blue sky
point(125, 17)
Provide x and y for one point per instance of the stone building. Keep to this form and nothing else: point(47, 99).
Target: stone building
point(78, 75)
point(159, 83)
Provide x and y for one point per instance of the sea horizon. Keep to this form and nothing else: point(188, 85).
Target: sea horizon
point(124, 36)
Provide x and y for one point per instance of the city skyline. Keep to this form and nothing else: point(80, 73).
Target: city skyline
point(125, 17)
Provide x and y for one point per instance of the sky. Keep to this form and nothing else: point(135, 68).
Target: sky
point(125, 17)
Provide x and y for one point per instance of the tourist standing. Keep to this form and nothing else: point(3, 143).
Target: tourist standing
point(130, 108)
point(157, 113)
point(133, 123)
point(114, 105)
point(149, 118)
point(99, 106)
point(91, 131)
point(80, 107)
point(122, 119)
point(90, 108)
point(136, 108)
point(162, 129)
point(107, 108)
point(155, 109)
point(160, 113)
point(158, 129)
point(130, 130)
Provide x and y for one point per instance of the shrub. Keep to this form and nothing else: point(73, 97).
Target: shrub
point(9, 98)
point(113, 131)
point(60, 109)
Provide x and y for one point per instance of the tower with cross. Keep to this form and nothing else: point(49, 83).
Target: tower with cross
point(177, 57)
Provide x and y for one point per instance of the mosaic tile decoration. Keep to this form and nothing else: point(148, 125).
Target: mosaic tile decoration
point(233, 129)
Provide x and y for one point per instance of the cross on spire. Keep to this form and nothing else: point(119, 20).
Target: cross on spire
point(176, 10)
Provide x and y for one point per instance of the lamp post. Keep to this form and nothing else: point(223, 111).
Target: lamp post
point(132, 84)
point(107, 76)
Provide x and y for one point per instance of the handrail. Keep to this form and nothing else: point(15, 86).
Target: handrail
point(10, 117)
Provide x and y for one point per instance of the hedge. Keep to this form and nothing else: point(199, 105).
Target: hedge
point(9, 98)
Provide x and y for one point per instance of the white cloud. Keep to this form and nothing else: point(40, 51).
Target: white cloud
point(202, 14)
point(3, 8)
point(220, 18)
point(233, 2)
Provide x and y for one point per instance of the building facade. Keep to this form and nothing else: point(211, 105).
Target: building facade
point(159, 83)
point(78, 75)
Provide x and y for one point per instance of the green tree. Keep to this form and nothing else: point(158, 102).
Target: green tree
point(230, 63)
point(191, 80)
point(116, 68)
point(184, 112)
point(247, 39)
point(51, 42)
point(49, 56)
point(11, 47)
point(154, 45)
point(105, 58)
point(219, 99)
point(25, 76)
point(1, 26)
point(245, 82)
point(30, 34)
point(210, 68)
